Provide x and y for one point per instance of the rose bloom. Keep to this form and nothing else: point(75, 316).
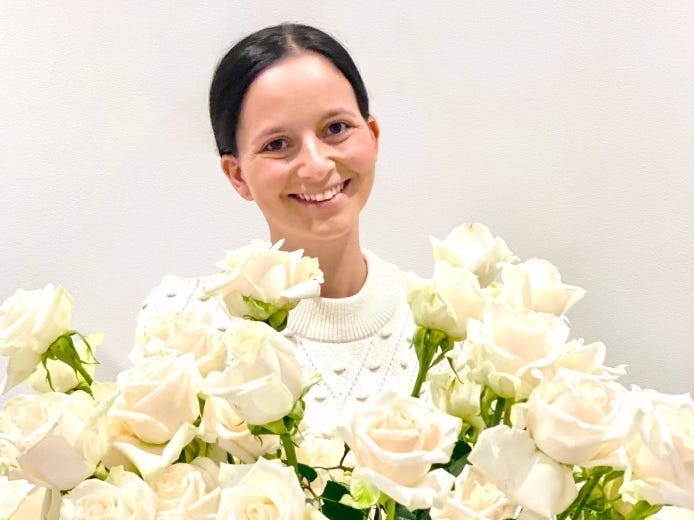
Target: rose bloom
point(580, 419)
point(661, 453)
point(266, 489)
point(157, 397)
point(474, 498)
point(536, 284)
point(395, 440)
point(187, 490)
point(456, 395)
point(223, 426)
point(509, 348)
point(263, 379)
point(122, 496)
point(59, 438)
point(63, 376)
point(508, 458)
point(29, 322)
point(178, 334)
point(473, 247)
point(262, 272)
point(447, 300)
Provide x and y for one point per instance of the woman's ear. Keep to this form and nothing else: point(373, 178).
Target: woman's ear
point(375, 129)
point(232, 170)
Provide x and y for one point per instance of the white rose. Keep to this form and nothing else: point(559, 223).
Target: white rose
point(264, 273)
point(148, 459)
point(673, 513)
point(60, 438)
point(122, 496)
point(474, 498)
point(395, 439)
point(321, 450)
point(509, 348)
point(456, 395)
point(64, 377)
point(266, 489)
point(262, 381)
point(536, 284)
point(29, 322)
point(187, 490)
point(473, 247)
point(447, 300)
point(157, 397)
point(510, 460)
point(580, 419)
point(589, 359)
point(222, 425)
point(661, 454)
point(178, 334)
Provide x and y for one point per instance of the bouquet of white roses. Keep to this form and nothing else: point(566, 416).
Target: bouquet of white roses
point(519, 421)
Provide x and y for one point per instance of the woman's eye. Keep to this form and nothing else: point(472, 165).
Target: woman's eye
point(277, 145)
point(337, 128)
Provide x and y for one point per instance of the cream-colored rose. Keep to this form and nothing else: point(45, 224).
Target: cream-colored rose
point(474, 498)
point(395, 439)
point(536, 285)
point(63, 377)
point(580, 419)
point(510, 460)
point(447, 301)
point(263, 272)
point(508, 348)
point(321, 450)
point(29, 322)
point(473, 247)
point(60, 438)
point(122, 496)
point(661, 454)
point(222, 425)
point(266, 489)
point(456, 395)
point(178, 334)
point(589, 359)
point(157, 397)
point(187, 490)
point(263, 380)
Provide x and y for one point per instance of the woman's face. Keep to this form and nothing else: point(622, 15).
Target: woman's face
point(306, 156)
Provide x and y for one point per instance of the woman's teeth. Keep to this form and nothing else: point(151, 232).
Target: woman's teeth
point(320, 197)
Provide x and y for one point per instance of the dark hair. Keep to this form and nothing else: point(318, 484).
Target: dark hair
point(255, 53)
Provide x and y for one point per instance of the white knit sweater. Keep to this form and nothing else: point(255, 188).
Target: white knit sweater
point(360, 345)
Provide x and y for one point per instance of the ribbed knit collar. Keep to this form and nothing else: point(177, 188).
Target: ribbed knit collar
point(341, 320)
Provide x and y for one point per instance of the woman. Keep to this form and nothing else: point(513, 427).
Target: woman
point(290, 114)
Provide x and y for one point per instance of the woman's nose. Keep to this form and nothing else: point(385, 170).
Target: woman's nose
point(314, 159)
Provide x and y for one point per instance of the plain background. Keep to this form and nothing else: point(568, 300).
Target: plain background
point(566, 127)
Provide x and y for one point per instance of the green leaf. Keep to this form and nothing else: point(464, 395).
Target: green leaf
point(337, 511)
point(334, 491)
point(307, 472)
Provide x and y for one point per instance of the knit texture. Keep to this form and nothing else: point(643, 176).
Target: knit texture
point(359, 345)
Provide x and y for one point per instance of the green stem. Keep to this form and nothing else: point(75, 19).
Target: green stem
point(390, 509)
point(421, 377)
point(498, 410)
point(584, 494)
point(507, 412)
point(486, 398)
point(289, 451)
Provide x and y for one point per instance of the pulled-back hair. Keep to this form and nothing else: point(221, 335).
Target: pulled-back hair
point(255, 53)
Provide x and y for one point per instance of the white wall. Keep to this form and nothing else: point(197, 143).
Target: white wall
point(566, 127)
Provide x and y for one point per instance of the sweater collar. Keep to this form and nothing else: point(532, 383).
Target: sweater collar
point(341, 320)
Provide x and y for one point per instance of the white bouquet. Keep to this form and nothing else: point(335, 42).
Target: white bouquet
point(521, 421)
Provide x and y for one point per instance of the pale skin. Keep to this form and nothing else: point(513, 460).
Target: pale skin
point(301, 137)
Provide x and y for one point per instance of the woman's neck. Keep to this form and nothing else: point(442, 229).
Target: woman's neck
point(342, 262)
